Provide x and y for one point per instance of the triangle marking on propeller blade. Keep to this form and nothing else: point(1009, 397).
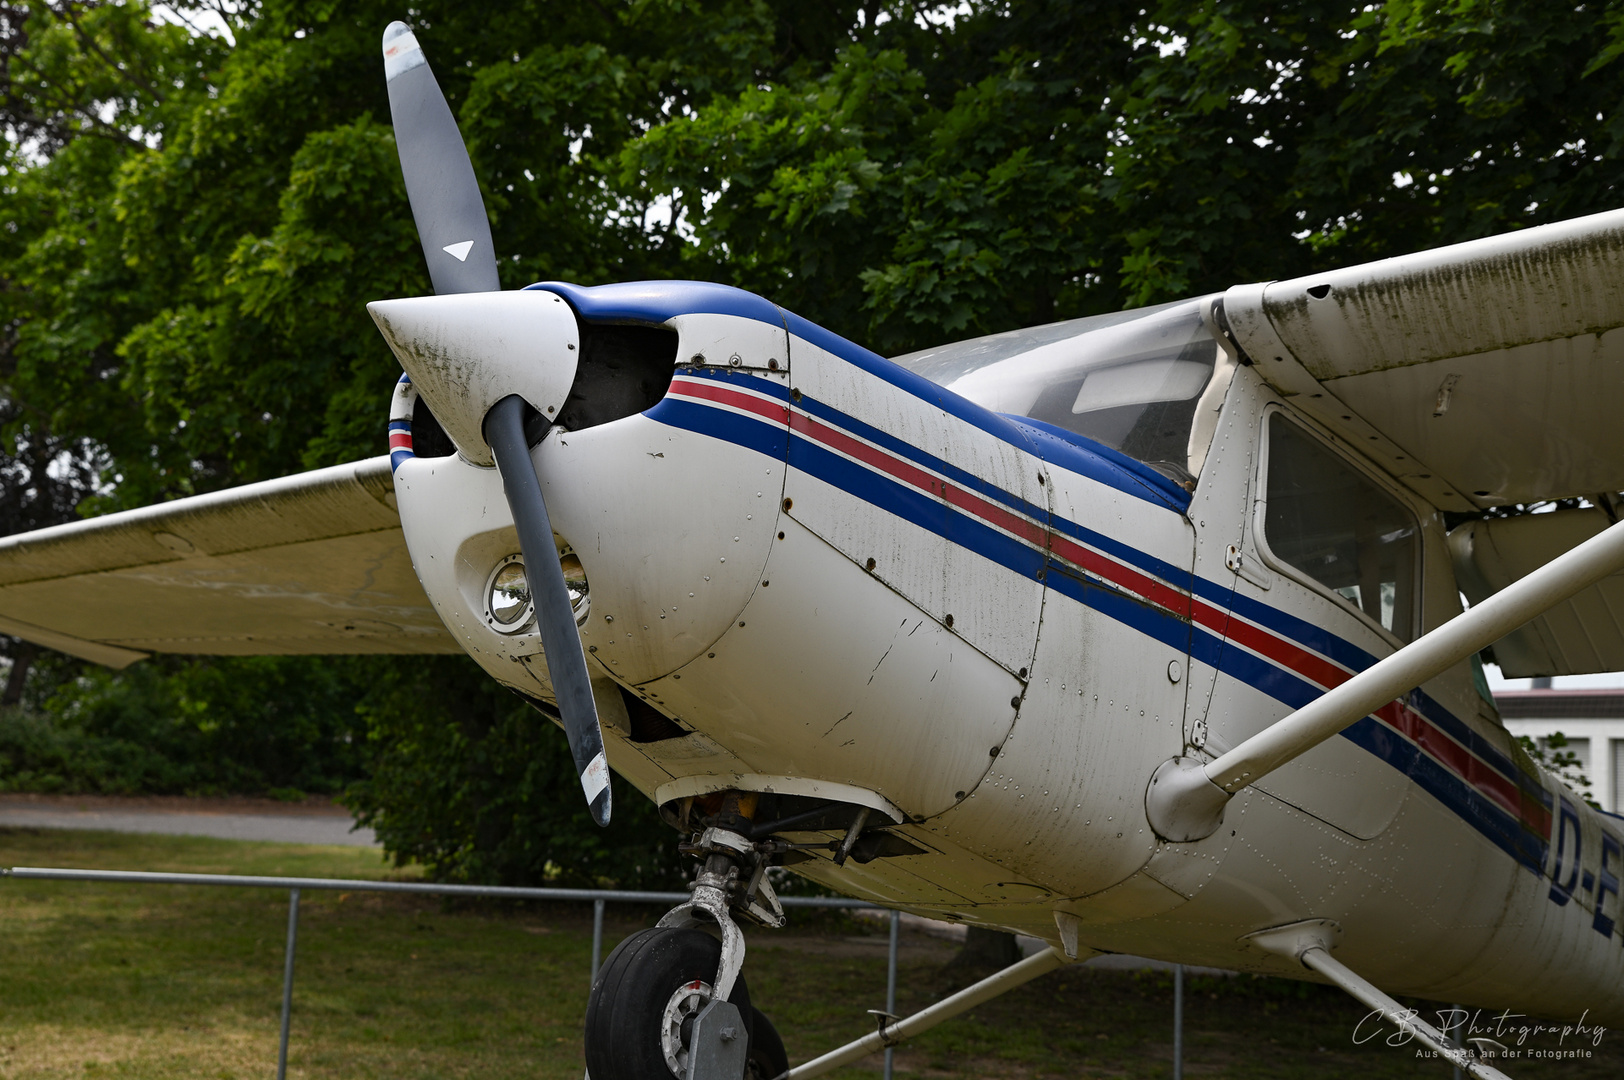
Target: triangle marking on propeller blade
point(459, 251)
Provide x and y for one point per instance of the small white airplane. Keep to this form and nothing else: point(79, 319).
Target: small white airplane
point(1138, 633)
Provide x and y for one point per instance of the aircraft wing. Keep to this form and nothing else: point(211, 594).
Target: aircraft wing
point(312, 563)
point(1481, 374)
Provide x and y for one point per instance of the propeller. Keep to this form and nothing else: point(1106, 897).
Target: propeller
point(456, 237)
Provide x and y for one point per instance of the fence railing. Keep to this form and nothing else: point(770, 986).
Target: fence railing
point(296, 885)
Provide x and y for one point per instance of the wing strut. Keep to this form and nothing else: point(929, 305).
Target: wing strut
point(1186, 797)
point(890, 1034)
point(1310, 943)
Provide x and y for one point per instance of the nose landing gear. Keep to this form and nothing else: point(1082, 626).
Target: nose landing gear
point(650, 1015)
point(647, 1019)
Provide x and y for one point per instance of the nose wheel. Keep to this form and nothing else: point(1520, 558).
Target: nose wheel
point(644, 1014)
point(669, 1003)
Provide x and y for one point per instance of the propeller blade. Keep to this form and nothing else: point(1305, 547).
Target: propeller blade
point(450, 215)
point(560, 637)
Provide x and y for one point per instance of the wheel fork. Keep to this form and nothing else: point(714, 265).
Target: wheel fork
point(722, 887)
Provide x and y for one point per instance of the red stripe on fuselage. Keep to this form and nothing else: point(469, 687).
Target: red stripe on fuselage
point(914, 476)
point(1162, 595)
point(1431, 739)
point(1452, 755)
point(775, 411)
point(1287, 654)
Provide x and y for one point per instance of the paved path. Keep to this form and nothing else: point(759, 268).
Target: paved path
point(226, 819)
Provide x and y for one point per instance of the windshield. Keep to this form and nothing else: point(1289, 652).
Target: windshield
point(1141, 382)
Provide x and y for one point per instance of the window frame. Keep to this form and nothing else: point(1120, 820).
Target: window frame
point(1384, 483)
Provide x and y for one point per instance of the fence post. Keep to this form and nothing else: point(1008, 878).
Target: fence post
point(1178, 1022)
point(597, 938)
point(891, 984)
point(287, 982)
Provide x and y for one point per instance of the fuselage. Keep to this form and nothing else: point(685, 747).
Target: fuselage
point(813, 571)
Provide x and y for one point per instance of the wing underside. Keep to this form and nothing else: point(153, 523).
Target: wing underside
point(1481, 374)
point(1582, 635)
point(307, 564)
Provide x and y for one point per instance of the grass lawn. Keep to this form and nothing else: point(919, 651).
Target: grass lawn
point(166, 981)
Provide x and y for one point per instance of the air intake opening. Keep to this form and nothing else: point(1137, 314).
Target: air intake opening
point(624, 370)
point(428, 437)
point(649, 725)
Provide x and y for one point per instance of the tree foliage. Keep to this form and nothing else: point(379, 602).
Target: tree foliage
point(468, 779)
point(268, 724)
point(199, 199)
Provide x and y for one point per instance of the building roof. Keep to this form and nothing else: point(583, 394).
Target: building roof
point(1560, 704)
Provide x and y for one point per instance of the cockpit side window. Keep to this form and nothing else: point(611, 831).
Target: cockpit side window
point(1327, 519)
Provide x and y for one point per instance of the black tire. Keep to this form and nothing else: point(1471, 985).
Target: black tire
point(626, 1010)
point(767, 1056)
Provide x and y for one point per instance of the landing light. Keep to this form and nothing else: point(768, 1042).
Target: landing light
point(509, 607)
point(507, 598)
point(575, 582)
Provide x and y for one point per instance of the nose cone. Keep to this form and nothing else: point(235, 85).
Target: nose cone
point(467, 351)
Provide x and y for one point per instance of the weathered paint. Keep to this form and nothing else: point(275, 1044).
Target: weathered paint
point(1524, 329)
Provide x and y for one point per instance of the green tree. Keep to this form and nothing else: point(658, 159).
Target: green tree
point(470, 780)
point(183, 725)
point(1555, 754)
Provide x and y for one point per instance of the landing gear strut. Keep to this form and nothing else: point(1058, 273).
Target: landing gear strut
point(669, 1002)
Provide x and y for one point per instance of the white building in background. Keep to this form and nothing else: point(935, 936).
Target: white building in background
point(1592, 720)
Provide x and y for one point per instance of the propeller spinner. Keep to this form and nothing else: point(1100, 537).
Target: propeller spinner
point(456, 238)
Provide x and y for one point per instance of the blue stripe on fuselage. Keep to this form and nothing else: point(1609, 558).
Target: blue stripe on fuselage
point(930, 513)
point(925, 511)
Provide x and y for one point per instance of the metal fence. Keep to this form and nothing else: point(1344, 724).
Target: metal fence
point(296, 885)
point(599, 898)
